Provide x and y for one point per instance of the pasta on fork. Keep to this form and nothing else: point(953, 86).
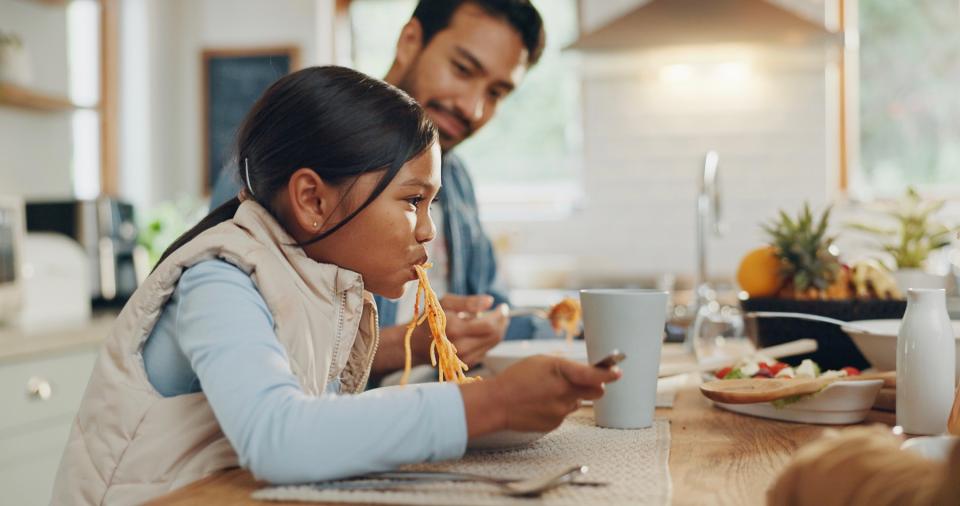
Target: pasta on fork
point(565, 315)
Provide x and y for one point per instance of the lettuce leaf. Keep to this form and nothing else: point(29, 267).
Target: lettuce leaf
point(735, 374)
point(786, 401)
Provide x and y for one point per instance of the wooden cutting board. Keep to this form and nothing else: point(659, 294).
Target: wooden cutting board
point(749, 391)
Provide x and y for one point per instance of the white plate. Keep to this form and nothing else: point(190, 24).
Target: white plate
point(843, 402)
point(880, 345)
point(506, 353)
point(934, 447)
point(503, 440)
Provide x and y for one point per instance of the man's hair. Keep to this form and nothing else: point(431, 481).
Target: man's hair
point(435, 15)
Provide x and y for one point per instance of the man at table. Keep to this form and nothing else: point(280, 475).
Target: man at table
point(459, 59)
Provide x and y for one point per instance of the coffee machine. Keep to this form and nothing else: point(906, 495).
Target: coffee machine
point(107, 232)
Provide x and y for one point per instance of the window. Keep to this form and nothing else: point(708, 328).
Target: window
point(526, 161)
point(83, 19)
point(908, 95)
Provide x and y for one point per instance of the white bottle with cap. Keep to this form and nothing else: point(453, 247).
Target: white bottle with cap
point(926, 355)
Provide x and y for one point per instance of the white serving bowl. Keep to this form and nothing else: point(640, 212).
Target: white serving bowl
point(933, 447)
point(879, 346)
point(842, 402)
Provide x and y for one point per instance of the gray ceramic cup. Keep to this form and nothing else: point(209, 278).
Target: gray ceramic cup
point(631, 321)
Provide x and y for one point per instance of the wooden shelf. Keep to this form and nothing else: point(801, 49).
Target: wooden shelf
point(55, 3)
point(25, 98)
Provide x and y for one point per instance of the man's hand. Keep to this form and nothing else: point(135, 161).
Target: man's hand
point(469, 329)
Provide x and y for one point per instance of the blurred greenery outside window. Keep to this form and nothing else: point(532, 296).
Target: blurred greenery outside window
point(909, 89)
point(525, 162)
point(162, 224)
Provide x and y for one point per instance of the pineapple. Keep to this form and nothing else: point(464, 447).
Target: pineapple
point(809, 264)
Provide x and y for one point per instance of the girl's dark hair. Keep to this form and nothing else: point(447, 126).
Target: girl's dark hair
point(334, 120)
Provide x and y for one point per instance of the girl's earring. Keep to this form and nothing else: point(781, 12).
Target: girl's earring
point(315, 225)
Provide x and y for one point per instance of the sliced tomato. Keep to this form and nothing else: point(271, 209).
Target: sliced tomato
point(722, 373)
point(851, 371)
point(777, 367)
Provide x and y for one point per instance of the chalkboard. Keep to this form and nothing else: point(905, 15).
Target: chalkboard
point(232, 81)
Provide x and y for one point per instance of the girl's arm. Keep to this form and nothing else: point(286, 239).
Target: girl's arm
point(281, 434)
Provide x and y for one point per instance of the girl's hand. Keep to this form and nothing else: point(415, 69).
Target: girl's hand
point(535, 394)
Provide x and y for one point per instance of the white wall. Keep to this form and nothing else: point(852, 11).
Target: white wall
point(645, 139)
point(596, 13)
point(166, 121)
point(35, 147)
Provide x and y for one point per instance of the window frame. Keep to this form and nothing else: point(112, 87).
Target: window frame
point(845, 18)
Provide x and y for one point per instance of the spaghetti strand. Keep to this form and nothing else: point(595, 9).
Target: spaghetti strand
point(443, 353)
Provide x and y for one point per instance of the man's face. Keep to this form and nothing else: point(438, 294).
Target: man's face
point(464, 72)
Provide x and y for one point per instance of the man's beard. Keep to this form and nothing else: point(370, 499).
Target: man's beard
point(408, 84)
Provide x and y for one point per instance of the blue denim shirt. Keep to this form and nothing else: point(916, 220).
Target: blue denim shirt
point(472, 266)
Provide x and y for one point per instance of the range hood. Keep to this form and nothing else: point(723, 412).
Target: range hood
point(683, 22)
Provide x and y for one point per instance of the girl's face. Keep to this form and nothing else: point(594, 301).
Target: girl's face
point(386, 239)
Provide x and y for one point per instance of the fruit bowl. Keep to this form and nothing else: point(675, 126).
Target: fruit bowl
point(835, 349)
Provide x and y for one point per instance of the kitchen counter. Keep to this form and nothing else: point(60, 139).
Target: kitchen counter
point(16, 345)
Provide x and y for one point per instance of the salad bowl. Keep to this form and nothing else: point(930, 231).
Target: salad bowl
point(839, 403)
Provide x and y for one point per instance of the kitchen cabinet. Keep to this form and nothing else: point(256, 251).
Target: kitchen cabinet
point(42, 379)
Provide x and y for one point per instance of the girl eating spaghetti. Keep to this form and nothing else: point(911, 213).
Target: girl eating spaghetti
point(251, 342)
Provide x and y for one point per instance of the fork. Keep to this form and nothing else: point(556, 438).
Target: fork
point(529, 487)
point(534, 487)
point(512, 313)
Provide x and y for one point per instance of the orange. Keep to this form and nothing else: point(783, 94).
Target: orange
point(759, 272)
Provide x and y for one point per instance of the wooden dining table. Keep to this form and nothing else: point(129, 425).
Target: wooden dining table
point(716, 457)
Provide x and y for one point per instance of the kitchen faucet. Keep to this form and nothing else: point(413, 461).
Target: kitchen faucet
point(709, 216)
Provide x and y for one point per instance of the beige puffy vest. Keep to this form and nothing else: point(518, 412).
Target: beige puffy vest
point(129, 444)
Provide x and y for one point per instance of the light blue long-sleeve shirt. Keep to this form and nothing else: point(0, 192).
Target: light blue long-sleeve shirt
point(216, 335)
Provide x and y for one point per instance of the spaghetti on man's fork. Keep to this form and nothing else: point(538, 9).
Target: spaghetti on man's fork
point(443, 354)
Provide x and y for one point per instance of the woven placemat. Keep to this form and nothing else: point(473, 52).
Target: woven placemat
point(633, 462)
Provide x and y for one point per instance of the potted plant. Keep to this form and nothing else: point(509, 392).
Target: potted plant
point(800, 271)
point(161, 225)
point(911, 233)
point(14, 60)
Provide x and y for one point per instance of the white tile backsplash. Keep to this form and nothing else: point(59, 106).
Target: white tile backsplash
point(644, 143)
